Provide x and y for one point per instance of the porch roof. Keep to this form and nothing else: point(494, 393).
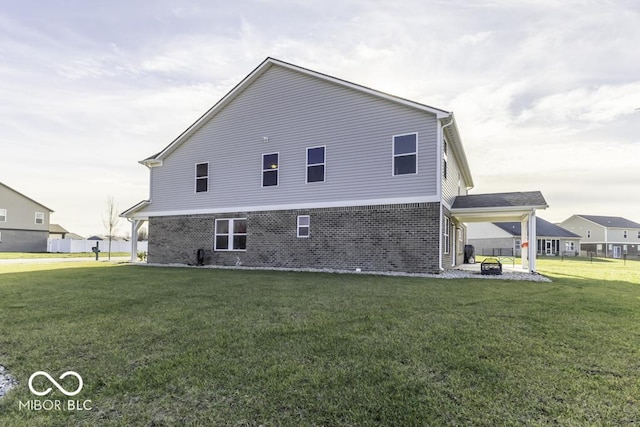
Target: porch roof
point(497, 207)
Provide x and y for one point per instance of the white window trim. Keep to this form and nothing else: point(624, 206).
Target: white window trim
point(299, 226)
point(41, 214)
point(230, 235)
point(393, 153)
point(196, 178)
point(447, 240)
point(625, 234)
point(306, 175)
point(263, 170)
point(5, 215)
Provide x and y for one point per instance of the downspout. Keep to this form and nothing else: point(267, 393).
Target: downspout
point(439, 169)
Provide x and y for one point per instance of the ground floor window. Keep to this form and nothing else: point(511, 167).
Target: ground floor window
point(304, 223)
point(447, 240)
point(548, 246)
point(230, 234)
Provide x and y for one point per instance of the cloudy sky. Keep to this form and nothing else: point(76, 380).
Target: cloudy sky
point(546, 93)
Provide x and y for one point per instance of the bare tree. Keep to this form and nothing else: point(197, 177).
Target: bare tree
point(110, 220)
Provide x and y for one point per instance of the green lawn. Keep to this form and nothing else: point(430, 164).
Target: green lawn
point(177, 346)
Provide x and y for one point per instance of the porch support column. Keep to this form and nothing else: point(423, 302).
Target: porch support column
point(533, 241)
point(524, 241)
point(135, 227)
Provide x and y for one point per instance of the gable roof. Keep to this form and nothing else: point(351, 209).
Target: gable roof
point(611, 221)
point(446, 117)
point(543, 229)
point(57, 229)
point(26, 197)
point(501, 200)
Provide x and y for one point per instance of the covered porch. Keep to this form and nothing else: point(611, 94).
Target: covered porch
point(137, 219)
point(505, 207)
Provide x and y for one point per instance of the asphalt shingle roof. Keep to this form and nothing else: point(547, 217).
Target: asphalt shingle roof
point(611, 221)
point(543, 229)
point(500, 200)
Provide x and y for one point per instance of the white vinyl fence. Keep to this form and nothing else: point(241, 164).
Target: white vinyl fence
point(75, 246)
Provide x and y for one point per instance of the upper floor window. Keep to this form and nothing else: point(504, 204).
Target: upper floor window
point(316, 164)
point(270, 169)
point(231, 234)
point(638, 234)
point(405, 154)
point(39, 217)
point(202, 177)
point(588, 234)
point(3, 215)
point(624, 234)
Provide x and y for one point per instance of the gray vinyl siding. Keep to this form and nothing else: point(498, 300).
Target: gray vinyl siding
point(579, 226)
point(21, 211)
point(450, 184)
point(296, 111)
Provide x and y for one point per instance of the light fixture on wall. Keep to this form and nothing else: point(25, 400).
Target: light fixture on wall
point(265, 139)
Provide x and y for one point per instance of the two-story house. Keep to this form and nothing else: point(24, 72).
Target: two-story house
point(609, 236)
point(294, 168)
point(24, 223)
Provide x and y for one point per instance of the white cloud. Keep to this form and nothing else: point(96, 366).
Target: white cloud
point(544, 92)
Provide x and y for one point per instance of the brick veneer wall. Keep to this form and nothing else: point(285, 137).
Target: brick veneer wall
point(374, 238)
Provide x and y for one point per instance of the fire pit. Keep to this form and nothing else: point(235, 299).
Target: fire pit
point(491, 266)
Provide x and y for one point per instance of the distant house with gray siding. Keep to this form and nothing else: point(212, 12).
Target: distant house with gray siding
point(294, 168)
point(608, 236)
point(503, 239)
point(24, 223)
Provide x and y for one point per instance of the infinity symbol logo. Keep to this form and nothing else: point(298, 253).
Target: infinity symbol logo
point(55, 383)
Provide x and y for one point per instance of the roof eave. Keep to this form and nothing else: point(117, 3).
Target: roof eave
point(133, 210)
point(458, 148)
point(28, 198)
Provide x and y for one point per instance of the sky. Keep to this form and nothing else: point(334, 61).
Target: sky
point(546, 93)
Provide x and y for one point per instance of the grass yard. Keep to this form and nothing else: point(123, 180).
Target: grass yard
point(177, 346)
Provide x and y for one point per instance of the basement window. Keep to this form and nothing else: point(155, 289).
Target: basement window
point(230, 234)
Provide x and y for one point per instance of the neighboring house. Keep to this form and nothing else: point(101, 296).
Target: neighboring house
point(56, 231)
point(504, 238)
point(294, 168)
point(609, 236)
point(24, 223)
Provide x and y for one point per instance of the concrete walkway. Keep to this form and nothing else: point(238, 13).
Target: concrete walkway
point(57, 260)
point(507, 267)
